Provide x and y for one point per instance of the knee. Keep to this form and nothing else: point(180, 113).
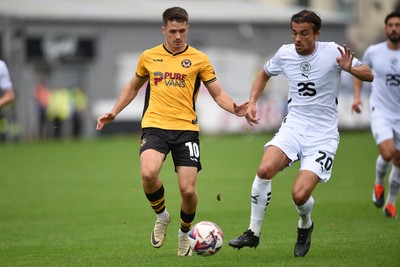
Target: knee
point(387, 154)
point(265, 172)
point(149, 177)
point(188, 193)
point(299, 197)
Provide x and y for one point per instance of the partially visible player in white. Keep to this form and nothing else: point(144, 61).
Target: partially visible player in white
point(309, 132)
point(6, 89)
point(384, 60)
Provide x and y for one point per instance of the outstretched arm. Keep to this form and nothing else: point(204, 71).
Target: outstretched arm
point(256, 90)
point(224, 100)
point(362, 72)
point(7, 98)
point(129, 93)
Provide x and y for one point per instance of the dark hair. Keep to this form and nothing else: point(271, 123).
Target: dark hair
point(175, 13)
point(392, 15)
point(307, 16)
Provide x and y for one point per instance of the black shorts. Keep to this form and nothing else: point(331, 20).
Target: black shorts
point(184, 145)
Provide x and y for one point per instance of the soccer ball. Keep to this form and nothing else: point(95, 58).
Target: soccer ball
point(206, 238)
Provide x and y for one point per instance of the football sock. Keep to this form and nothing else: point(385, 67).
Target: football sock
point(304, 212)
point(163, 216)
point(260, 198)
point(157, 202)
point(394, 185)
point(186, 221)
point(382, 167)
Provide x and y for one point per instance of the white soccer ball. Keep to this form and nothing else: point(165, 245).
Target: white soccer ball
point(206, 238)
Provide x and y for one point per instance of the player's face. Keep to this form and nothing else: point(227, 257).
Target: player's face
point(392, 29)
point(175, 35)
point(303, 38)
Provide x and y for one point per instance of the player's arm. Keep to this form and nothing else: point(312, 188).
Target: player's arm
point(128, 93)
point(345, 61)
point(7, 98)
point(257, 89)
point(224, 100)
point(362, 72)
point(357, 102)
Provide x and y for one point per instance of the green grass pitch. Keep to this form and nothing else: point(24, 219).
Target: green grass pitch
point(80, 203)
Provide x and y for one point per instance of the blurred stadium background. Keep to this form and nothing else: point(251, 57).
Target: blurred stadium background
point(94, 45)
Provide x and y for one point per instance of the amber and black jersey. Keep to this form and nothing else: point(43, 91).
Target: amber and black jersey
point(173, 87)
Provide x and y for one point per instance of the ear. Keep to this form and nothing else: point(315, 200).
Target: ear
point(316, 34)
point(163, 29)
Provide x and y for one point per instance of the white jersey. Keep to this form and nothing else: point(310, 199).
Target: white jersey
point(5, 81)
point(314, 83)
point(385, 65)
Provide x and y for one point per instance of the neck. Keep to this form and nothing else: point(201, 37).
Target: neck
point(393, 46)
point(175, 50)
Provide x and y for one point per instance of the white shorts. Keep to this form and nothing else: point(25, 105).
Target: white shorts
point(384, 128)
point(316, 153)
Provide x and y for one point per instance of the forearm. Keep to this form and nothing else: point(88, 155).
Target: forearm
point(256, 92)
point(357, 88)
point(258, 86)
point(220, 96)
point(362, 73)
point(225, 102)
point(127, 95)
point(7, 98)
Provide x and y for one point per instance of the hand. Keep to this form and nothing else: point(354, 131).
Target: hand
point(346, 58)
point(240, 110)
point(103, 120)
point(357, 105)
point(251, 114)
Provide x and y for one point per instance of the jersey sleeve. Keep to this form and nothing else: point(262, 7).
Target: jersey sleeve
point(207, 73)
point(273, 67)
point(141, 71)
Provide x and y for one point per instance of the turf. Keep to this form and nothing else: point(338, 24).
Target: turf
point(80, 203)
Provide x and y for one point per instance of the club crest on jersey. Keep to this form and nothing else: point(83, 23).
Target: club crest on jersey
point(305, 67)
point(186, 63)
point(393, 63)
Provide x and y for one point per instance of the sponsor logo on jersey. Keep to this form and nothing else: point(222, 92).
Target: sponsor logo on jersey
point(170, 78)
point(158, 77)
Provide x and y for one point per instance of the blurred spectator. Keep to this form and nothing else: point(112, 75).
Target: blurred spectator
point(58, 109)
point(79, 102)
point(42, 96)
